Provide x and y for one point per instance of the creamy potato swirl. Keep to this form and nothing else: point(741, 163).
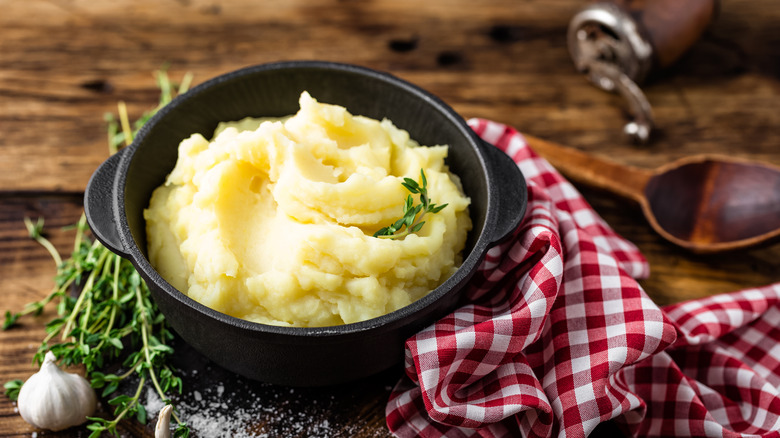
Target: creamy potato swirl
point(272, 220)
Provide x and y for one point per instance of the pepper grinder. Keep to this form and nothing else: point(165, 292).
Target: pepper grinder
point(618, 44)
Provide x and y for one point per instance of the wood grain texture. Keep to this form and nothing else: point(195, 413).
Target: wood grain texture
point(64, 63)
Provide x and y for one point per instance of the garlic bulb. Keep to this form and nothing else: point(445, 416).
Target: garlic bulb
point(163, 427)
point(55, 400)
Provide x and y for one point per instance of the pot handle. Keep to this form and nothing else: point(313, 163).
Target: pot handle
point(100, 202)
point(508, 182)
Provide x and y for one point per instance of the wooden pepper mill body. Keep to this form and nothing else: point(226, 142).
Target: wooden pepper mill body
point(671, 26)
point(618, 44)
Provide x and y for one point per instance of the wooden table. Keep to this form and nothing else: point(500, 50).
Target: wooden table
point(63, 64)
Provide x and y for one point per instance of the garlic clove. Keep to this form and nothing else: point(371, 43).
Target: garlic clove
point(163, 427)
point(54, 399)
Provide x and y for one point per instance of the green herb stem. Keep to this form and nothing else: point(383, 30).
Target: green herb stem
point(128, 407)
point(184, 85)
point(85, 292)
point(35, 230)
point(114, 296)
point(123, 120)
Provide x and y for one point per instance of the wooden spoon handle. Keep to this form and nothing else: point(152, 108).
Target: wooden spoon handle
point(672, 26)
point(626, 181)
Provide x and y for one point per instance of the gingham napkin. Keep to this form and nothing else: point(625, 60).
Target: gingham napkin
point(559, 337)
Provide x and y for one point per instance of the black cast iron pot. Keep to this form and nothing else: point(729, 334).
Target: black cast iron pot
point(121, 187)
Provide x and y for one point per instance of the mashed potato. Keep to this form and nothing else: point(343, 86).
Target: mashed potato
point(272, 220)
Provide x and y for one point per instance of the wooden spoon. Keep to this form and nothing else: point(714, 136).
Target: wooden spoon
point(704, 203)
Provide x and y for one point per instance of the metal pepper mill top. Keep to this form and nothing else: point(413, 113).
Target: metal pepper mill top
point(618, 44)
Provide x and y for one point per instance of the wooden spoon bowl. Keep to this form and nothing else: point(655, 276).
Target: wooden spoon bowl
point(704, 203)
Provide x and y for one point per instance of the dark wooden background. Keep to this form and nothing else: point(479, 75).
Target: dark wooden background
point(64, 63)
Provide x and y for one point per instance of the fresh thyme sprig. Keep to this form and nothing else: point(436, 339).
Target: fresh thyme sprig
point(113, 316)
point(411, 221)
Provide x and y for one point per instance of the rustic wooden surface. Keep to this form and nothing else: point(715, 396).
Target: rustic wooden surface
point(64, 63)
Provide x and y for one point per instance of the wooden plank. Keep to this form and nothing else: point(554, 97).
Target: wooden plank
point(65, 65)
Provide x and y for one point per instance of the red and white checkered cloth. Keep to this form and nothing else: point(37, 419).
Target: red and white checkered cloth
point(559, 337)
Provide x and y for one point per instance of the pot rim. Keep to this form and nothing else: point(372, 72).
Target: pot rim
point(386, 322)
